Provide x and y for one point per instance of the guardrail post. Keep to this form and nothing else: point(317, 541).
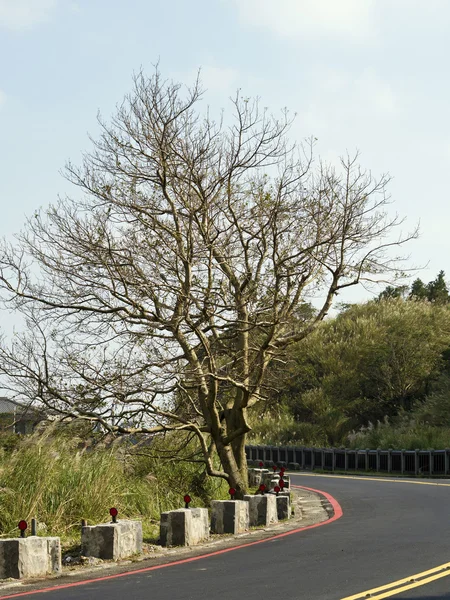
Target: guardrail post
point(313, 459)
point(431, 469)
point(416, 462)
point(333, 459)
point(402, 462)
point(390, 460)
point(367, 459)
point(378, 460)
point(446, 462)
point(345, 460)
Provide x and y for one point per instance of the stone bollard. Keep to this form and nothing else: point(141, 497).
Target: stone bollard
point(255, 476)
point(270, 480)
point(283, 506)
point(267, 478)
point(29, 557)
point(262, 509)
point(229, 516)
point(112, 541)
point(287, 481)
point(184, 527)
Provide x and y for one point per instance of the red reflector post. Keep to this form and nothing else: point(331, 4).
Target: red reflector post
point(113, 512)
point(22, 526)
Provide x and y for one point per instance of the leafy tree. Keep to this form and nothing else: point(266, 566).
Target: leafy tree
point(370, 361)
point(437, 290)
point(393, 292)
point(158, 301)
point(435, 410)
point(419, 290)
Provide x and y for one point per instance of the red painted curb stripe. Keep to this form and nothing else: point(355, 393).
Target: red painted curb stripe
point(338, 512)
point(337, 515)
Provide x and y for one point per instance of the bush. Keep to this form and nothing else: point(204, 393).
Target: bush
point(285, 431)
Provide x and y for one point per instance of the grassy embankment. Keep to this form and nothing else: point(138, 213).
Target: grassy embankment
point(58, 479)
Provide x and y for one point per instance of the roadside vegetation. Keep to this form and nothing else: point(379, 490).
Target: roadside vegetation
point(375, 376)
point(63, 475)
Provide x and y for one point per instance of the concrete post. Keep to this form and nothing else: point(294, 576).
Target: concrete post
point(184, 527)
point(112, 541)
point(262, 509)
point(283, 507)
point(21, 558)
point(229, 516)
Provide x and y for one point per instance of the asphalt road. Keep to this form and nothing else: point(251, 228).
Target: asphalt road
point(389, 531)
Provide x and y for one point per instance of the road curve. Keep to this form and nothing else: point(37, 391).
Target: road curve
point(390, 530)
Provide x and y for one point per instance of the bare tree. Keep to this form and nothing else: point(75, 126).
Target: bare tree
point(157, 299)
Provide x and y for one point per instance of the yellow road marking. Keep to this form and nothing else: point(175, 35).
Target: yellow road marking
point(389, 480)
point(403, 585)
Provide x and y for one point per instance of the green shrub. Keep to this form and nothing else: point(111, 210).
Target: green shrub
point(283, 430)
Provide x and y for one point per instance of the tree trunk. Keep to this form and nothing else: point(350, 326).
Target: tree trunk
point(235, 420)
point(237, 477)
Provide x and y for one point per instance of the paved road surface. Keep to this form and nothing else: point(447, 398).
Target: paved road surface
point(389, 531)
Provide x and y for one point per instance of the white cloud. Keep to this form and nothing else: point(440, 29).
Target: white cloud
point(24, 14)
point(310, 18)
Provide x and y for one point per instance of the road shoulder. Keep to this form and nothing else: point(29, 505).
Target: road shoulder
point(310, 509)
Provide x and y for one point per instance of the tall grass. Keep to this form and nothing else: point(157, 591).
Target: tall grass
point(50, 477)
point(406, 436)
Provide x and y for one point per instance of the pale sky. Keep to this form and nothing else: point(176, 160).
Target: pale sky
point(371, 75)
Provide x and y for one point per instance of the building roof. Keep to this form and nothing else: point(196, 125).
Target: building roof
point(12, 407)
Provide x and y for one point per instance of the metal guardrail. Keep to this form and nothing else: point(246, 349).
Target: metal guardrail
point(408, 462)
